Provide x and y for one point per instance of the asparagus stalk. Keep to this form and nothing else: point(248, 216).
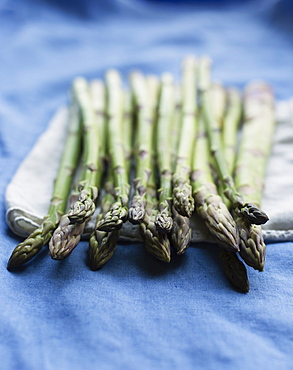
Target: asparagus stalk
point(98, 94)
point(248, 211)
point(67, 235)
point(65, 238)
point(182, 191)
point(176, 125)
point(85, 206)
point(118, 212)
point(154, 90)
point(255, 146)
point(219, 100)
point(230, 126)
point(26, 250)
point(127, 131)
point(204, 74)
point(209, 204)
point(235, 270)
point(156, 243)
point(181, 234)
point(164, 221)
point(252, 246)
point(102, 245)
point(143, 103)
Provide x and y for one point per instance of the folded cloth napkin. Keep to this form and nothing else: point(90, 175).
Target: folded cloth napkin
point(29, 192)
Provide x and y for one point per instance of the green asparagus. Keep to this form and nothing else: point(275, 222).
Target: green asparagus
point(85, 206)
point(209, 204)
point(67, 235)
point(102, 244)
point(118, 212)
point(26, 250)
point(255, 145)
point(248, 211)
point(230, 126)
point(235, 270)
point(156, 243)
point(181, 233)
point(143, 143)
point(182, 191)
point(229, 117)
point(164, 220)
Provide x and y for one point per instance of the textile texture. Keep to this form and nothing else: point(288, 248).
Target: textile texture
point(137, 312)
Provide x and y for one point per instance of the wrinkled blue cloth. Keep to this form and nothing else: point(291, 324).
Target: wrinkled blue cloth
point(136, 313)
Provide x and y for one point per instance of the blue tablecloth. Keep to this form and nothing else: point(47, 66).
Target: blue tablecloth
point(136, 313)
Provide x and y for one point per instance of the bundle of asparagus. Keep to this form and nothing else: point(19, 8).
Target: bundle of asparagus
point(248, 211)
point(185, 140)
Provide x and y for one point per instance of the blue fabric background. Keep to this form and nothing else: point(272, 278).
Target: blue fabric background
point(136, 313)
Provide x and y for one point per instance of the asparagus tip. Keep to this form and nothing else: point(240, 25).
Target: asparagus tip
point(183, 200)
point(136, 214)
point(164, 223)
point(235, 271)
point(253, 214)
point(114, 219)
point(101, 248)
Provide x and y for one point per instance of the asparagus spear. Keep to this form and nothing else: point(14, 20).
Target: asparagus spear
point(252, 245)
point(209, 204)
point(118, 212)
point(251, 240)
point(98, 94)
point(235, 270)
point(154, 90)
point(102, 245)
point(255, 145)
point(176, 125)
point(67, 235)
point(164, 221)
point(182, 191)
point(26, 250)
point(85, 206)
point(142, 99)
point(230, 125)
point(248, 211)
point(181, 234)
point(204, 74)
point(155, 242)
point(127, 131)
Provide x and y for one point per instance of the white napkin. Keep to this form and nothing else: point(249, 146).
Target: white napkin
point(29, 192)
